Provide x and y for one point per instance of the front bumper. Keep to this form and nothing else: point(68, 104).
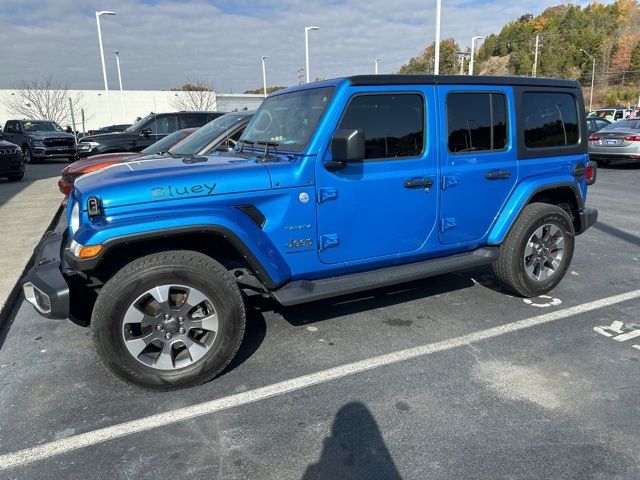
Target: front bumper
point(54, 152)
point(587, 218)
point(44, 285)
point(11, 168)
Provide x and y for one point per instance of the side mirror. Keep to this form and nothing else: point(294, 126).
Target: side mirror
point(146, 132)
point(347, 146)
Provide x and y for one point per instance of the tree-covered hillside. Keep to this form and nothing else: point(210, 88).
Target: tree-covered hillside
point(610, 33)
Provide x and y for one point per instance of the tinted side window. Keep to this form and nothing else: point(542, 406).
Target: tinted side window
point(476, 122)
point(164, 125)
point(550, 120)
point(193, 120)
point(393, 125)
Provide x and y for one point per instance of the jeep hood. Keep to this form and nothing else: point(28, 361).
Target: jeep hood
point(166, 179)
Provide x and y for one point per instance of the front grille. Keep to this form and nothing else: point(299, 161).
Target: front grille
point(58, 142)
point(8, 151)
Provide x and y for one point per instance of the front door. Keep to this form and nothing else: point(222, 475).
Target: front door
point(385, 205)
point(478, 159)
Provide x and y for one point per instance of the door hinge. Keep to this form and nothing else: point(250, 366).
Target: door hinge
point(447, 224)
point(328, 241)
point(325, 194)
point(449, 181)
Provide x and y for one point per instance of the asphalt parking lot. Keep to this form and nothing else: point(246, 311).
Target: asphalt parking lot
point(446, 378)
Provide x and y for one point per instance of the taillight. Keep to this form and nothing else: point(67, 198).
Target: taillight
point(632, 138)
point(591, 172)
point(594, 138)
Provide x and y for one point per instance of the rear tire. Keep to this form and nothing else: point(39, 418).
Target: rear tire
point(537, 251)
point(170, 358)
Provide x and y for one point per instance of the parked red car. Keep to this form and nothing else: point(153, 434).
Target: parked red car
point(98, 162)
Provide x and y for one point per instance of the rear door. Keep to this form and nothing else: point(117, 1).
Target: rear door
point(478, 159)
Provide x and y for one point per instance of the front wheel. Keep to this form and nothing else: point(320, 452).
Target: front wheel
point(16, 178)
point(26, 153)
point(169, 320)
point(537, 251)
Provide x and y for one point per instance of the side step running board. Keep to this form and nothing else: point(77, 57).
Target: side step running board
point(301, 291)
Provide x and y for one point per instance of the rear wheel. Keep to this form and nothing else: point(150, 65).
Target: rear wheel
point(169, 320)
point(537, 251)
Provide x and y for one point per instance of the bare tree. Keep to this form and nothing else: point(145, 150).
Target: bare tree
point(43, 99)
point(195, 95)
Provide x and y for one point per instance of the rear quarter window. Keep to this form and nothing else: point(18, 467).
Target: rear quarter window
point(550, 120)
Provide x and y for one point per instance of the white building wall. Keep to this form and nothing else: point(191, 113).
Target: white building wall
point(137, 103)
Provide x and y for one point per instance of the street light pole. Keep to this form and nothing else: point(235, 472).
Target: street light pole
point(436, 57)
point(264, 76)
point(104, 69)
point(473, 43)
point(306, 48)
point(593, 75)
point(376, 65)
point(124, 116)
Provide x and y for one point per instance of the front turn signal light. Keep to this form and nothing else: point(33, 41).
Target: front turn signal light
point(90, 251)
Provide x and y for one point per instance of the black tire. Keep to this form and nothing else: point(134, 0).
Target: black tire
point(16, 178)
point(510, 266)
point(26, 153)
point(181, 267)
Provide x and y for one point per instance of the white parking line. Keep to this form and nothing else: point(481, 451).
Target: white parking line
point(40, 452)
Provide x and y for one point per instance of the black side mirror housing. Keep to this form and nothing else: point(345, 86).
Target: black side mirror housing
point(146, 132)
point(347, 146)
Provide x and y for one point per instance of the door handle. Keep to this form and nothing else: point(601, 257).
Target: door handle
point(498, 175)
point(425, 183)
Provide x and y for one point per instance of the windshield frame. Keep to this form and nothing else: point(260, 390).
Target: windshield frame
point(280, 143)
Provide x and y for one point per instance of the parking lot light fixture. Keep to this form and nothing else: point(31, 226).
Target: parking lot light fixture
point(306, 48)
point(104, 69)
point(264, 75)
point(124, 116)
point(377, 62)
point(593, 76)
point(472, 56)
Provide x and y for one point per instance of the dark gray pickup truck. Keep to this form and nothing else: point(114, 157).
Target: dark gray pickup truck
point(40, 139)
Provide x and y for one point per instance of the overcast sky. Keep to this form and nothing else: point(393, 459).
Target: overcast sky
point(163, 43)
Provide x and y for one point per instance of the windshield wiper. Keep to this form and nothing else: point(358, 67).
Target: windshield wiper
point(246, 142)
point(266, 147)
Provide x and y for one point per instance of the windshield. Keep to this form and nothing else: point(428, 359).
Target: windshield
point(623, 125)
point(202, 137)
point(289, 119)
point(41, 127)
point(167, 142)
point(139, 123)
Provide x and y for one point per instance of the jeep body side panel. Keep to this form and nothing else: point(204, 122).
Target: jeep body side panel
point(231, 223)
point(521, 197)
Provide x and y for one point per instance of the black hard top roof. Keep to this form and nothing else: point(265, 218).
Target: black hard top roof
point(361, 80)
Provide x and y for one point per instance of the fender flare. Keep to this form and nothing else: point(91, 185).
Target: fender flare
point(521, 197)
point(230, 223)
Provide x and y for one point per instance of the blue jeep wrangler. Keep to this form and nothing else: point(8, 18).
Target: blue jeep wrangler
point(335, 187)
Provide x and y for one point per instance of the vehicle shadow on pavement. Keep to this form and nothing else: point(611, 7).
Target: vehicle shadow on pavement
point(254, 334)
point(616, 232)
point(373, 299)
point(355, 449)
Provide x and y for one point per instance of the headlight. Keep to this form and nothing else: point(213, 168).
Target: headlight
point(75, 248)
point(74, 222)
point(87, 146)
point(37, 143)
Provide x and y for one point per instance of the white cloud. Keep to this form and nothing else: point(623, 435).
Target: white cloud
point(164, 44)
